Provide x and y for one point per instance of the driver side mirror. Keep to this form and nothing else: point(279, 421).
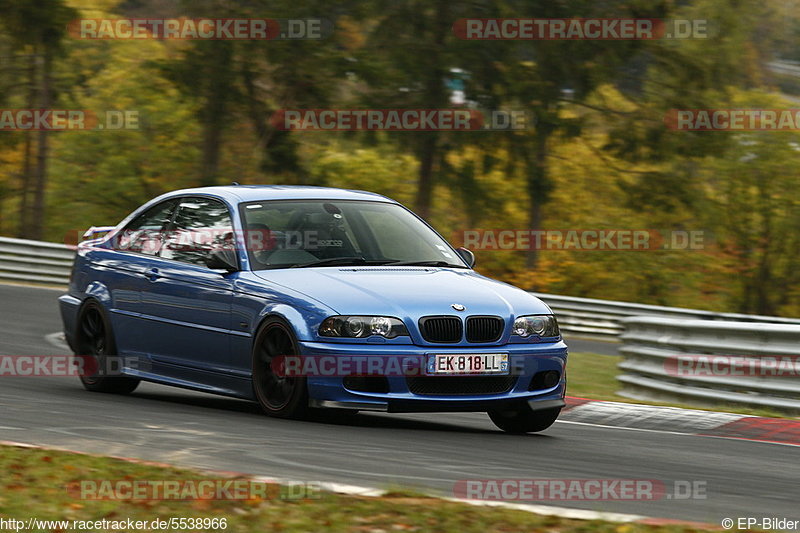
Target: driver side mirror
point(222, 259)
point(467, 256)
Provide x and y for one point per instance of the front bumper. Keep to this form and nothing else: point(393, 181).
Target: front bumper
point(68, 306)
point(527, 360)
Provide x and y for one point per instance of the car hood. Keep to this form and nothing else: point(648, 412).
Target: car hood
point(405, 291)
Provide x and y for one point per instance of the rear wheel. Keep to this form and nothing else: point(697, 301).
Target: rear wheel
point(280, 396)
point(95, 342)
point(523, 419)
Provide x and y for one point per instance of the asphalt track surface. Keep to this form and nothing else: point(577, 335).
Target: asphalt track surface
point(429, 451)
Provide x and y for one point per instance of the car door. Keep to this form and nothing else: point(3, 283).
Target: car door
point(123, 269)
point(189, 304)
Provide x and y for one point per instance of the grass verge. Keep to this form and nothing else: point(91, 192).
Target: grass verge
point(595, 376)
point(34, 484)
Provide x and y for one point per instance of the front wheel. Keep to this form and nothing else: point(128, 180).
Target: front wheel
point(279, 395)
point(96, 344)
point(523, 419)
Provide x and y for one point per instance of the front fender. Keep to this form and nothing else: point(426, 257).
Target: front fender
point(298, 319)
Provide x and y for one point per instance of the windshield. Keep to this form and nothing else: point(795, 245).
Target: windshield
point(297, 234)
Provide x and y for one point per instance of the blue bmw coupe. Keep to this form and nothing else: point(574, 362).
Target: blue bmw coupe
point(302, 298)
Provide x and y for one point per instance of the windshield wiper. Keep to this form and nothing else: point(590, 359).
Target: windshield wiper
point(331, 261)
point(425, 263)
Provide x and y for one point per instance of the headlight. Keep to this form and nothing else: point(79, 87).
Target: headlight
point(539, 325)
point(362, 326)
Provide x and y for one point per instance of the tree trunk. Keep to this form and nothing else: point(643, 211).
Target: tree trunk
point(214, 109)
point(436, 97)
point(25, 218)
point(534, 223)
point(40, 175)
point(539, 186)
point(212, 136)
point(24, 229)
point(764, 304)
point(763, 275)
point(427, 156)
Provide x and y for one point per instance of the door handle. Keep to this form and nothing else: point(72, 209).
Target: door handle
point(151, 274)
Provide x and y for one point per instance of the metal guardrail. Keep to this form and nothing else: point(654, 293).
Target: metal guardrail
point(673, 360)
point(604, 318)
point(35, 262)
point(788, 68)
point(50, 263)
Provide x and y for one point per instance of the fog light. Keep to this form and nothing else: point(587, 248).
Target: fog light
point(545, 380)
point(550, 379)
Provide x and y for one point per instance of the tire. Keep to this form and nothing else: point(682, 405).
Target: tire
point(523, 419)
point(95, 342)
point(278, 396)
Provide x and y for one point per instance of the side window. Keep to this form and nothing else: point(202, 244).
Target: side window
point(200, 225)
point(145, 233)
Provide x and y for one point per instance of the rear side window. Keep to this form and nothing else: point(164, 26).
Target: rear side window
point(145, 233)
point(200, 225)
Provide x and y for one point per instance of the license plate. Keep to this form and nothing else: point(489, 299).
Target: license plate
point(479, 363)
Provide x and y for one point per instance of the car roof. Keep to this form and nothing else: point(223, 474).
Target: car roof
point(257, 193)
